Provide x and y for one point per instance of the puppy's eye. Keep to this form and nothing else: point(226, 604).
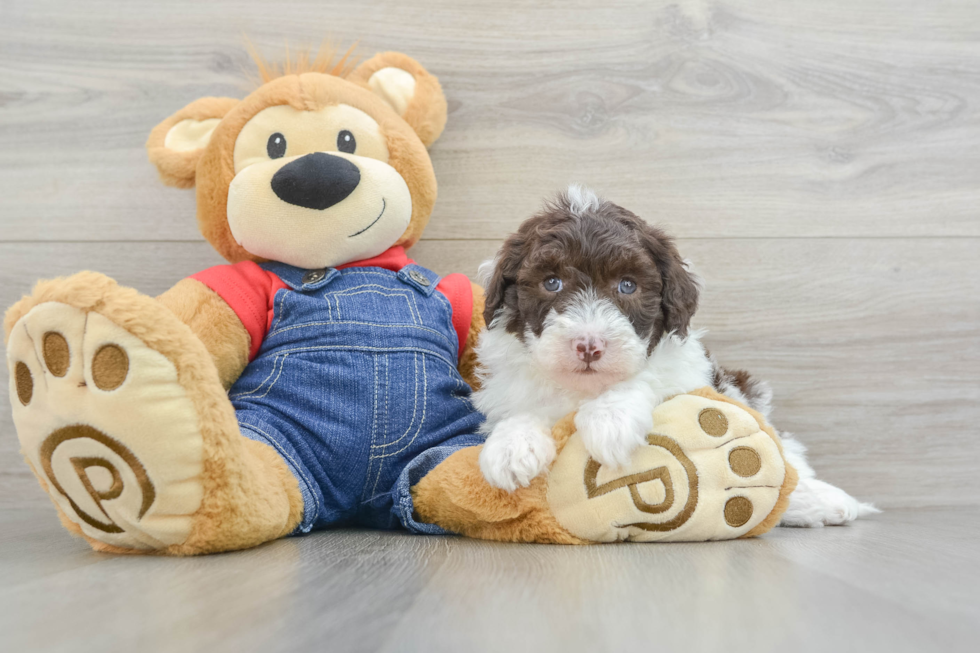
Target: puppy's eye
point(627, 287)
point(276, 147)
point(346, 142)
point(552, 284)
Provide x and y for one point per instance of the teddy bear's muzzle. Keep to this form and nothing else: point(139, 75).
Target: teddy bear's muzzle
point(316, 181)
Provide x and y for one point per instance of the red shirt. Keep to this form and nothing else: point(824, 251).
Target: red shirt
point(249, 291)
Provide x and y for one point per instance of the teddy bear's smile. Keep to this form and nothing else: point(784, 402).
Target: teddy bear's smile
point(384, 205)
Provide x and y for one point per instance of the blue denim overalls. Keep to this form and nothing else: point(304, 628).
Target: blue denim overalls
point(356, 386)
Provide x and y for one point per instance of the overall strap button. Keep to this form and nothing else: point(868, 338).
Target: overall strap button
point(419, 278)
point(313, 276)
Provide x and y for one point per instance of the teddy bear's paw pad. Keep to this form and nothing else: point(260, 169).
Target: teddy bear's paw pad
point(707, 472)
point(106, 427)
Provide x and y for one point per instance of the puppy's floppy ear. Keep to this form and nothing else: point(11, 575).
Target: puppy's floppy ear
point(500, 276)
point(176, 144)
point(412, 92)
point(679, 295)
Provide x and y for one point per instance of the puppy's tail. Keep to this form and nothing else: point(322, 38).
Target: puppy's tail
point(865, 509)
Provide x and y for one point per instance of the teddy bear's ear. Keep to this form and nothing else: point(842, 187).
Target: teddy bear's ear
point(176, 144)
point(411, 91)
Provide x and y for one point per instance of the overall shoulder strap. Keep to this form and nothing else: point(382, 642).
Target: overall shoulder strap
point(416, 276)
point(298, 278)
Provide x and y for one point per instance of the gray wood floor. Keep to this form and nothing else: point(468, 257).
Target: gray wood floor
point(819, 163)
point(903, 581)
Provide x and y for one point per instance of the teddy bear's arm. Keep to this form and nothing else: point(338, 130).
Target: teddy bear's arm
point(467, 360)
point(214, 322)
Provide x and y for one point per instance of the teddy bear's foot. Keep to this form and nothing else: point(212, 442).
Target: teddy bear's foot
point(711, 469)
point(107, 426)
point(129, 430)
point(708, 471)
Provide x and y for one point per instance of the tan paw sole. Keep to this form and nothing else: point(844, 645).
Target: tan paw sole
point(708, 472)
point(106, 426)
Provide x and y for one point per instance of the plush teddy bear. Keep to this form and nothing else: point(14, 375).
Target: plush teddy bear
point(322, 378)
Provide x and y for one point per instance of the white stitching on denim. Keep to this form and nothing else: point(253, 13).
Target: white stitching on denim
point(414, 299)
point(462, 386)
point(387, 385)
point(282, 366)
point(370, 324)
point(386, 425)
point(281, 310)
point(415, 303)
point(430, 352)
point(277, 362)
point(374, 490)
point(282, 452)
point(425, 403)
point(374, 430)
point(415, 406)
point(346, 291)
point(374, 415)
point(387, 274)
point(448, 316)
point(395, 292)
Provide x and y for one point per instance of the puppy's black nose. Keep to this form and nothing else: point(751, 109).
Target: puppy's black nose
point(316, 181)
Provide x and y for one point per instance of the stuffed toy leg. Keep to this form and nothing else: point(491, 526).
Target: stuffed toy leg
point(122, 415)
point(712, 469)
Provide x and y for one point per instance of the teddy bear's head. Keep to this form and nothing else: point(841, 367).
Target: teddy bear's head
point(313, 169)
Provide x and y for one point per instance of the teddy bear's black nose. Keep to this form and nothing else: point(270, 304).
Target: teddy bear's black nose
point(316, 181)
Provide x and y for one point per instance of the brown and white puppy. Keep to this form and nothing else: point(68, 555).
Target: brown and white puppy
point(589, 310)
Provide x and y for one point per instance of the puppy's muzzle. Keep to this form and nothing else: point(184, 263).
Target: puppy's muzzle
point(316, 181)
point(589, 349)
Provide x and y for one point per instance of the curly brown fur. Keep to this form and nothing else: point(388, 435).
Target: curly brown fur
point(596, 248)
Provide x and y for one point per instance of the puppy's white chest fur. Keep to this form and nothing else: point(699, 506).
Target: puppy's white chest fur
point(522, 402)
point(512, 384)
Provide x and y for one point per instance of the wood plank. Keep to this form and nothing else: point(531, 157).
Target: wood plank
point(722, 119)
point(757, 595)
point(869, 344)
point(793, 589)
point(265, 599)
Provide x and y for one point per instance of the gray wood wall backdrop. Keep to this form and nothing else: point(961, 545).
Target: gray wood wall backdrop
point(818, 161)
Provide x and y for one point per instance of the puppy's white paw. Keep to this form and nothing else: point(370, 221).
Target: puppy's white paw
point(516, 452)
point(613, 429)
point(815, 503)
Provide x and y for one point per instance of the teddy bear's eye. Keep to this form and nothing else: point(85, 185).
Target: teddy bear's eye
point(346, 142)
point(276, 147)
